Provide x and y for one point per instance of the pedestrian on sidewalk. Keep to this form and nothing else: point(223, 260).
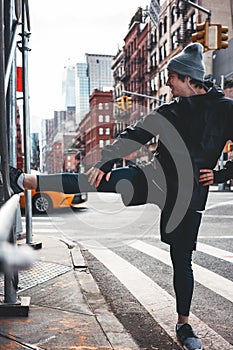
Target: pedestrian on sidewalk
point(193, 130)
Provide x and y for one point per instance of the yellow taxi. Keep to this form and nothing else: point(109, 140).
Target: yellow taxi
point(45, 201)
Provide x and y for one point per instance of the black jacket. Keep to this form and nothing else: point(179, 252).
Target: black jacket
point(192, 132)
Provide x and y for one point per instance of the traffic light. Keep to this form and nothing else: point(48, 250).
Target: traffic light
point(222, 37)
point(121, 103)
point(202, 34)
point(129, 102)
point(124, 103)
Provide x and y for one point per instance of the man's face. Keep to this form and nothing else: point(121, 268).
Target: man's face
point(178, 87)
point(229, 92)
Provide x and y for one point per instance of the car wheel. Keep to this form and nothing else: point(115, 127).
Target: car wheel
point(42, 203)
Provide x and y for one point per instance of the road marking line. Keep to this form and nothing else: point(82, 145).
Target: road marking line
point(214, 237)
point(218, 216)
point(45, 230)
point(216, 252)
point(45, 223)
point(209, 279)
point(44, 218)
point(159, 303)
point(218, 205)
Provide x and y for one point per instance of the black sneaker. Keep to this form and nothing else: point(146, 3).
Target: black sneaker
point(14, 175)
point(188, 338)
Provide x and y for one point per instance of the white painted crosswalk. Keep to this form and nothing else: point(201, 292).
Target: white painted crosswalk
point(152, 297)
point(216, 252)
point(44, 224)
point(209, 279)
point(159, 303)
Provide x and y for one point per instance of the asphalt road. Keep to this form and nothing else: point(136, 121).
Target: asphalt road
point(132, 267)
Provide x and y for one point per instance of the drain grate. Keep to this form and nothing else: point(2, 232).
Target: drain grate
point(39, 273)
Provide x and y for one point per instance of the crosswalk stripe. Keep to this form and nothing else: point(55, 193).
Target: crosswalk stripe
point(216, 252)
point(46, 223)
point(215, 237)
point(209, 279)
point(218, 217)
point(153, 298)
point(45, 230)
point(218, 205)
point(44, 218)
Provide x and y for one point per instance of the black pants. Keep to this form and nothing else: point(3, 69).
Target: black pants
point(137, 186)
point(183, 280)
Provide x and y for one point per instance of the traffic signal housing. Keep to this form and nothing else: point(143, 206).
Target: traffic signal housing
point(222, 37)
point(129, 102)
point(124, 103)
point(121, 103)
point(202, 34)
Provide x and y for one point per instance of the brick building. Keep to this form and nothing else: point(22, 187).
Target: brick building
point(96, 129)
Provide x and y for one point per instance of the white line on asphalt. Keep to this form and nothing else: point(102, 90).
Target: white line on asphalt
point(44, 218)
point(218, 205)
point(216, 252)
point(154, 299)
point(45, 230)
point(214, 237)
point(217, 216)
point(44, 223)
point(209, 279)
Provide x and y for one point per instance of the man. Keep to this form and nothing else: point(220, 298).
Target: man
point(228, 88)
point(193, 130)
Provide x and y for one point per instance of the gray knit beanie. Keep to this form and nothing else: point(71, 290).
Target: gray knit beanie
point(189, 62)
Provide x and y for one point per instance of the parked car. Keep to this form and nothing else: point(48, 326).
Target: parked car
point(45, 201)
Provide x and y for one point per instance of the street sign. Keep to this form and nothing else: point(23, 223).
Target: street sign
point(154, 11)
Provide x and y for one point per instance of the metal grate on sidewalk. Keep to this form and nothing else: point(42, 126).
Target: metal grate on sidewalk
point(39, 273)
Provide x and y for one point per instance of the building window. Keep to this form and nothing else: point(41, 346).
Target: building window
point(173, 15)
point(160, 30)
point(101, 143)
point(165, 25)
point(100, 105)
point(106, 105)
point(165, 76)
point(173, 40)
point(101, 118)
point(107, 131)
point(160, 79)
point(165, 49)
point(107, 118)
point(101, 131)
point(107, 142)
point(160, 54)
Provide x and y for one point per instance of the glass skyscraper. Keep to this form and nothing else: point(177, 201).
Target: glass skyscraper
point(82, 91)
point(68, 86)
point(99, 72)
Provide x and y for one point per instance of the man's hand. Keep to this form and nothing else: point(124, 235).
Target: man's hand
point(206, 177)
point(95, 176)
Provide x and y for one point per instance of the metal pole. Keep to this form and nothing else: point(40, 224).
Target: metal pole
point(198, 7)
point(222, 185)
point(142, 95)
point(26, 124)
point(9, 278)
point(227, 76)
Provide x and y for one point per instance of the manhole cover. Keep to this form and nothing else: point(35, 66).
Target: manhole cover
point(39, 273)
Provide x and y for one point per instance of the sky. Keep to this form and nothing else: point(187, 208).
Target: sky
point(63, 31)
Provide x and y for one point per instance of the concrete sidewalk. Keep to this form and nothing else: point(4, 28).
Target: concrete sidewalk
point(67, 310)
